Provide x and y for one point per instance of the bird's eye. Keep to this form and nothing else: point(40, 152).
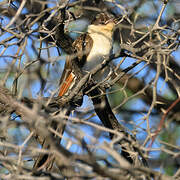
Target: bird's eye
point(103, 23)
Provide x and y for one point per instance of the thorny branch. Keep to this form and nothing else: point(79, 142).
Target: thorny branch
point(33, 38)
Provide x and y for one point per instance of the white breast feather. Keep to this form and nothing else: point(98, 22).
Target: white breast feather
point(101, 47)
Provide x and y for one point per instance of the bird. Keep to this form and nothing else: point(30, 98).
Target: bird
point(90, 50)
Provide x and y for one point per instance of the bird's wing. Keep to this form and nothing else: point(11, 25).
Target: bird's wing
point(82, 47)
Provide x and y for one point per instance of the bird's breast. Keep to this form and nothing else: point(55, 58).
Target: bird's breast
point(101, 48)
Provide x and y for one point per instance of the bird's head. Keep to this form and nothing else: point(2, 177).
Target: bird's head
point(103, 23)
